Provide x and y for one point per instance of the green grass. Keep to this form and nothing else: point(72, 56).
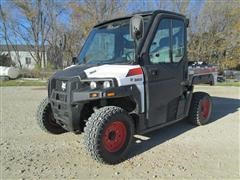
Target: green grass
point(20, 82)
point(232, 83)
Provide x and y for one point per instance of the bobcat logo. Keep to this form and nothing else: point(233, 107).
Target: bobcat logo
point(64, 86)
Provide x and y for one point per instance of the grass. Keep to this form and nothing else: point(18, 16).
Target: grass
point(20, 82)
point(232, 83)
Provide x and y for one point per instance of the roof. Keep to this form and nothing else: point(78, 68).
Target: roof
point(4, 47)
point(143, 13)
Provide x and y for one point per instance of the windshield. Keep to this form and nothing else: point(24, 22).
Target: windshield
point(109, 44)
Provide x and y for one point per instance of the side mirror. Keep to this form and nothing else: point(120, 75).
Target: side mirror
point(136, 27)
point(74, 60)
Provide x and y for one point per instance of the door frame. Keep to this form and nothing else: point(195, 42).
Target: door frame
point(144, 55)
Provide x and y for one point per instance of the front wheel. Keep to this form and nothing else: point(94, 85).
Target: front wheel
point(108, 134)
point(46, 120)
point(201, 108)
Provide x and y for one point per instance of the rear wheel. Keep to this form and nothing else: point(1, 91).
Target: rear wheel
point(46, 120)
point(212, 82)
point(201, 108)
point(108, 134)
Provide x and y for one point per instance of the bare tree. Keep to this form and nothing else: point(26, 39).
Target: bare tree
point(213, 32)
point(56, 36)
point(85, 14)
point(6, 29)
point(216, 36)
point(181, 6)
point(32, 28)
point(3, 17)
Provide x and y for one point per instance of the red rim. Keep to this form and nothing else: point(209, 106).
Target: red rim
point(114, 136)
point(205, 106)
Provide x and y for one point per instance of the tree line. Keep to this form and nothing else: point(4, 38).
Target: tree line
point(61, 27)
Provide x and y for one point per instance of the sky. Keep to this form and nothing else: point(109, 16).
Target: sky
point(133, 6)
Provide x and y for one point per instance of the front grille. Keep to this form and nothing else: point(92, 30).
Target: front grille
point(61, 85)
point(61, 97)
point(64, 110)
point(60, 92)
point(74, 85)
point(66, 85)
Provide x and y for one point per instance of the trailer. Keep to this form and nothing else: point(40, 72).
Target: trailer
point(202, 73)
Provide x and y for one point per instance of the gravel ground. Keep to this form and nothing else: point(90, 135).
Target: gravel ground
point(177, 151)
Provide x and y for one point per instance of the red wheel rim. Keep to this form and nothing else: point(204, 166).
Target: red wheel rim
point(114, 136)
point(205, 106)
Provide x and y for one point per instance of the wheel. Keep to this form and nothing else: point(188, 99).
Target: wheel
point(212, 82)
point(201, 108)
point(46, 120)
point(108, 134)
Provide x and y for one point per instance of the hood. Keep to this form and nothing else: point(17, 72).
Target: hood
point(109, 71)
point(74, 70)
point(119, 72)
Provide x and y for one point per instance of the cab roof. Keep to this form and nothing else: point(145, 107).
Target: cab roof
point(143, 13)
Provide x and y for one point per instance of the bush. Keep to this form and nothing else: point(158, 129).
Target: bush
point(37, 73)
point(26, 73)
point(238, 67)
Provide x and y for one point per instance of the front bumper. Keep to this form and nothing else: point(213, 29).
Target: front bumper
point(68, 104)
point(65, 111)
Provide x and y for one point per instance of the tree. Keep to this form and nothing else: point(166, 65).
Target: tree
point(181, 6)
point(216, 36)
point(85, 14)
point(6, 27)
point(3, 17)
point(56, 36)
point(32, 27)
point(61, 27)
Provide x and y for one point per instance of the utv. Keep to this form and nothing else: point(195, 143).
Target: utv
point(130, 77)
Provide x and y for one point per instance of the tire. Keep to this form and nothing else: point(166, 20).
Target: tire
point(46, 120)
point(108, 134)
point(212, 82)
point(201, 108)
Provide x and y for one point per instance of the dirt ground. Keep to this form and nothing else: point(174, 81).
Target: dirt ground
point(177, 151)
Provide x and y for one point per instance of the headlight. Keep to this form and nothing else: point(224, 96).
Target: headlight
point(93, 85)
point(106, 84)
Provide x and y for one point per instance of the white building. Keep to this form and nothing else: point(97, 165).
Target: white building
point(23, 54)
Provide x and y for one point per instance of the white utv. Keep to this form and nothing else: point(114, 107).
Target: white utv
point(130, 77)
